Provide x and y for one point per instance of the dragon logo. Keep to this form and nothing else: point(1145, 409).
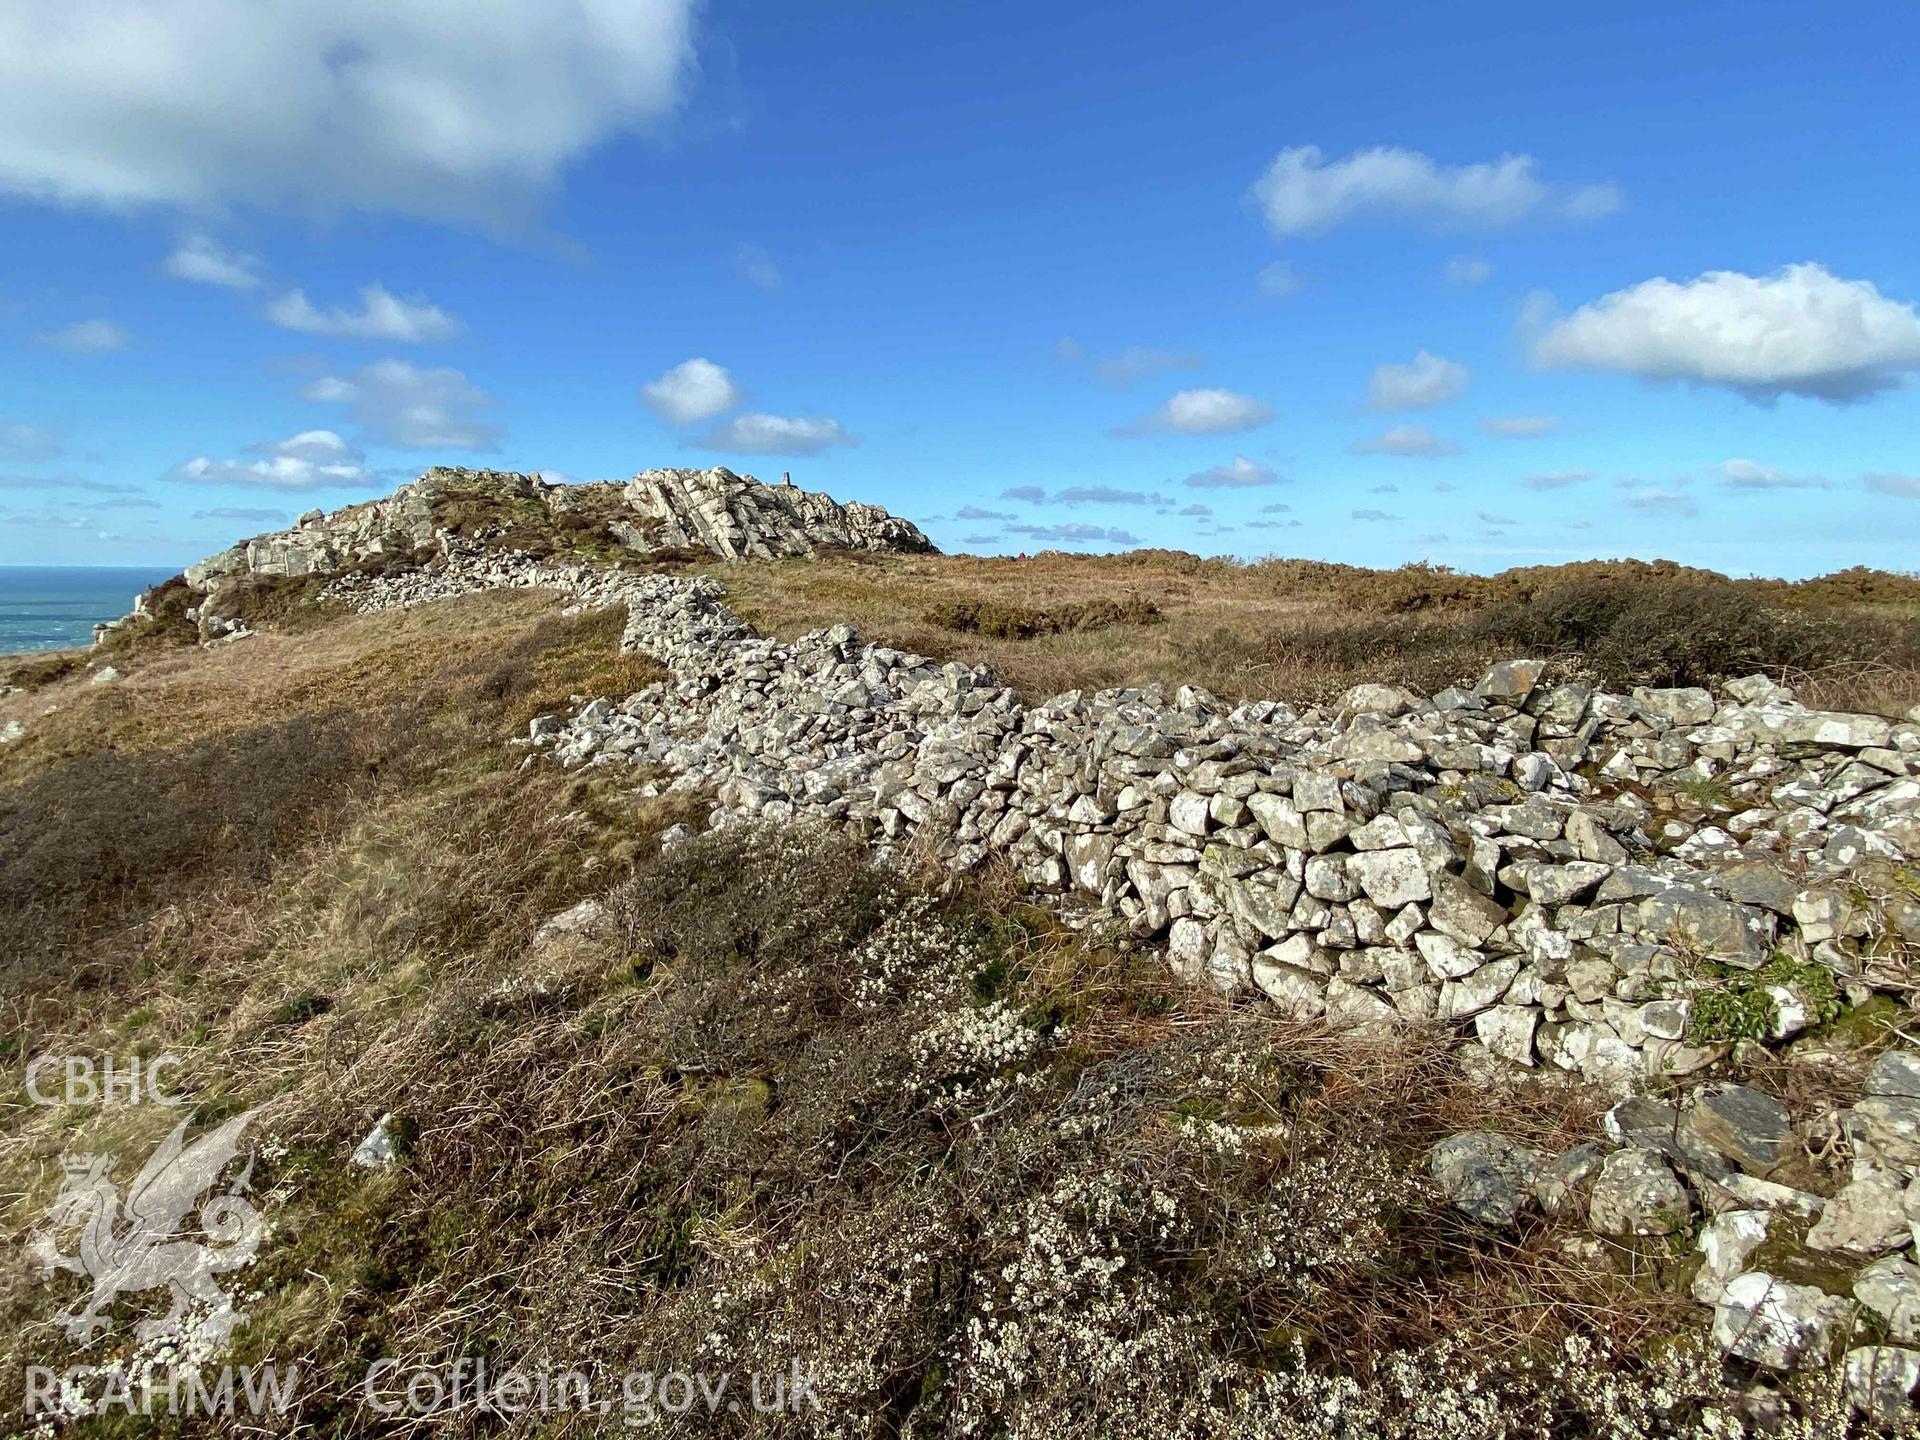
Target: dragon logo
point(143, 1241)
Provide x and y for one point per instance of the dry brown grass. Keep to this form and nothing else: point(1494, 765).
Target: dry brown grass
point(511, 649)
point(1306, 630)
point(206, 770)
point(708, 1120)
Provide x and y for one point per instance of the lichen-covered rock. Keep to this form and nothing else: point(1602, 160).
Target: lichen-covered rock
point(1881, 1379)
point(1637, 1193)
point(1726, 1242)
point(1891, 1289)
point(1748, 1126)
point(1772, 1322)
point(1561, 1185)
point(1865, 1217)
point(738, 518)
point(1449, 862)
point(1485, 1174)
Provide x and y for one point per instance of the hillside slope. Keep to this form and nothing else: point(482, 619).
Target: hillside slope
point(427, 851)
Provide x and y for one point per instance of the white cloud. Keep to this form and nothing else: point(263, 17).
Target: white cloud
point(28, 444)
point(1137, 362)
point(1487, 517)
point(1907, 487)
point(1592, 202)
point(778, 435)
point(462, 112)
point(1104, 495)
point(1467, 271)
point(1075, 534)
point(1558, 479)
point(756, 267)
point(1748, 475)
point(1428, 380)
point(87, 337)
point(975, 512)
point(1067, 350)
point(382, 316)
point(692, 391)
point(1197, 510)
point(326, 447)
point(281, 472)
point(413, 408)
point(1405, 440)
point(1277, 280)
point(1031, 494)
point(1202, 412)
point(1241, 474)
point(201, 259)
point(311, 460)
point(1799, 331)
point(62, 482)
point(1374, 516)
point(1304, 194)
point(1520, 427)
point(1663, 502)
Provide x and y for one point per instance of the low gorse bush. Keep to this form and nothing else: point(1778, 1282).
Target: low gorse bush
point(1686, 631)
point(1007, 621)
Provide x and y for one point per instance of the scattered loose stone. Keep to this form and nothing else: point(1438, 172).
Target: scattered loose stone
point(1775, 1323)
point(1388, 860)
point(1485, 1174)
point(1865, 1217)
point(1891, 1289)
point(1748, 1126)
point(1881, 1379)
point(380, 1148)
point(1637, 1193)
point(1726, 1241)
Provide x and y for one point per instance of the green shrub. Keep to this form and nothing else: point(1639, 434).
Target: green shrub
point(1000, 620)
point(1681, 631)
point(1741, 1005)
point(164, 627)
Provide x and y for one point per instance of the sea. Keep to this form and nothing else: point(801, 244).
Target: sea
point(53, 607)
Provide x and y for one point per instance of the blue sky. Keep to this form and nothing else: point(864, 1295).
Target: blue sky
point(1480, 284)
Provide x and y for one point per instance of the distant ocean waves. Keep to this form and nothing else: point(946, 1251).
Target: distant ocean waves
point(48, 607)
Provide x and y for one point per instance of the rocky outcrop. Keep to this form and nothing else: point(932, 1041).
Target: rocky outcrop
point(1509, 861)
point(733, 516)
point(737, 518)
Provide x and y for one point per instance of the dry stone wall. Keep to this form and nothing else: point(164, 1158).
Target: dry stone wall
point(1490, 858)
